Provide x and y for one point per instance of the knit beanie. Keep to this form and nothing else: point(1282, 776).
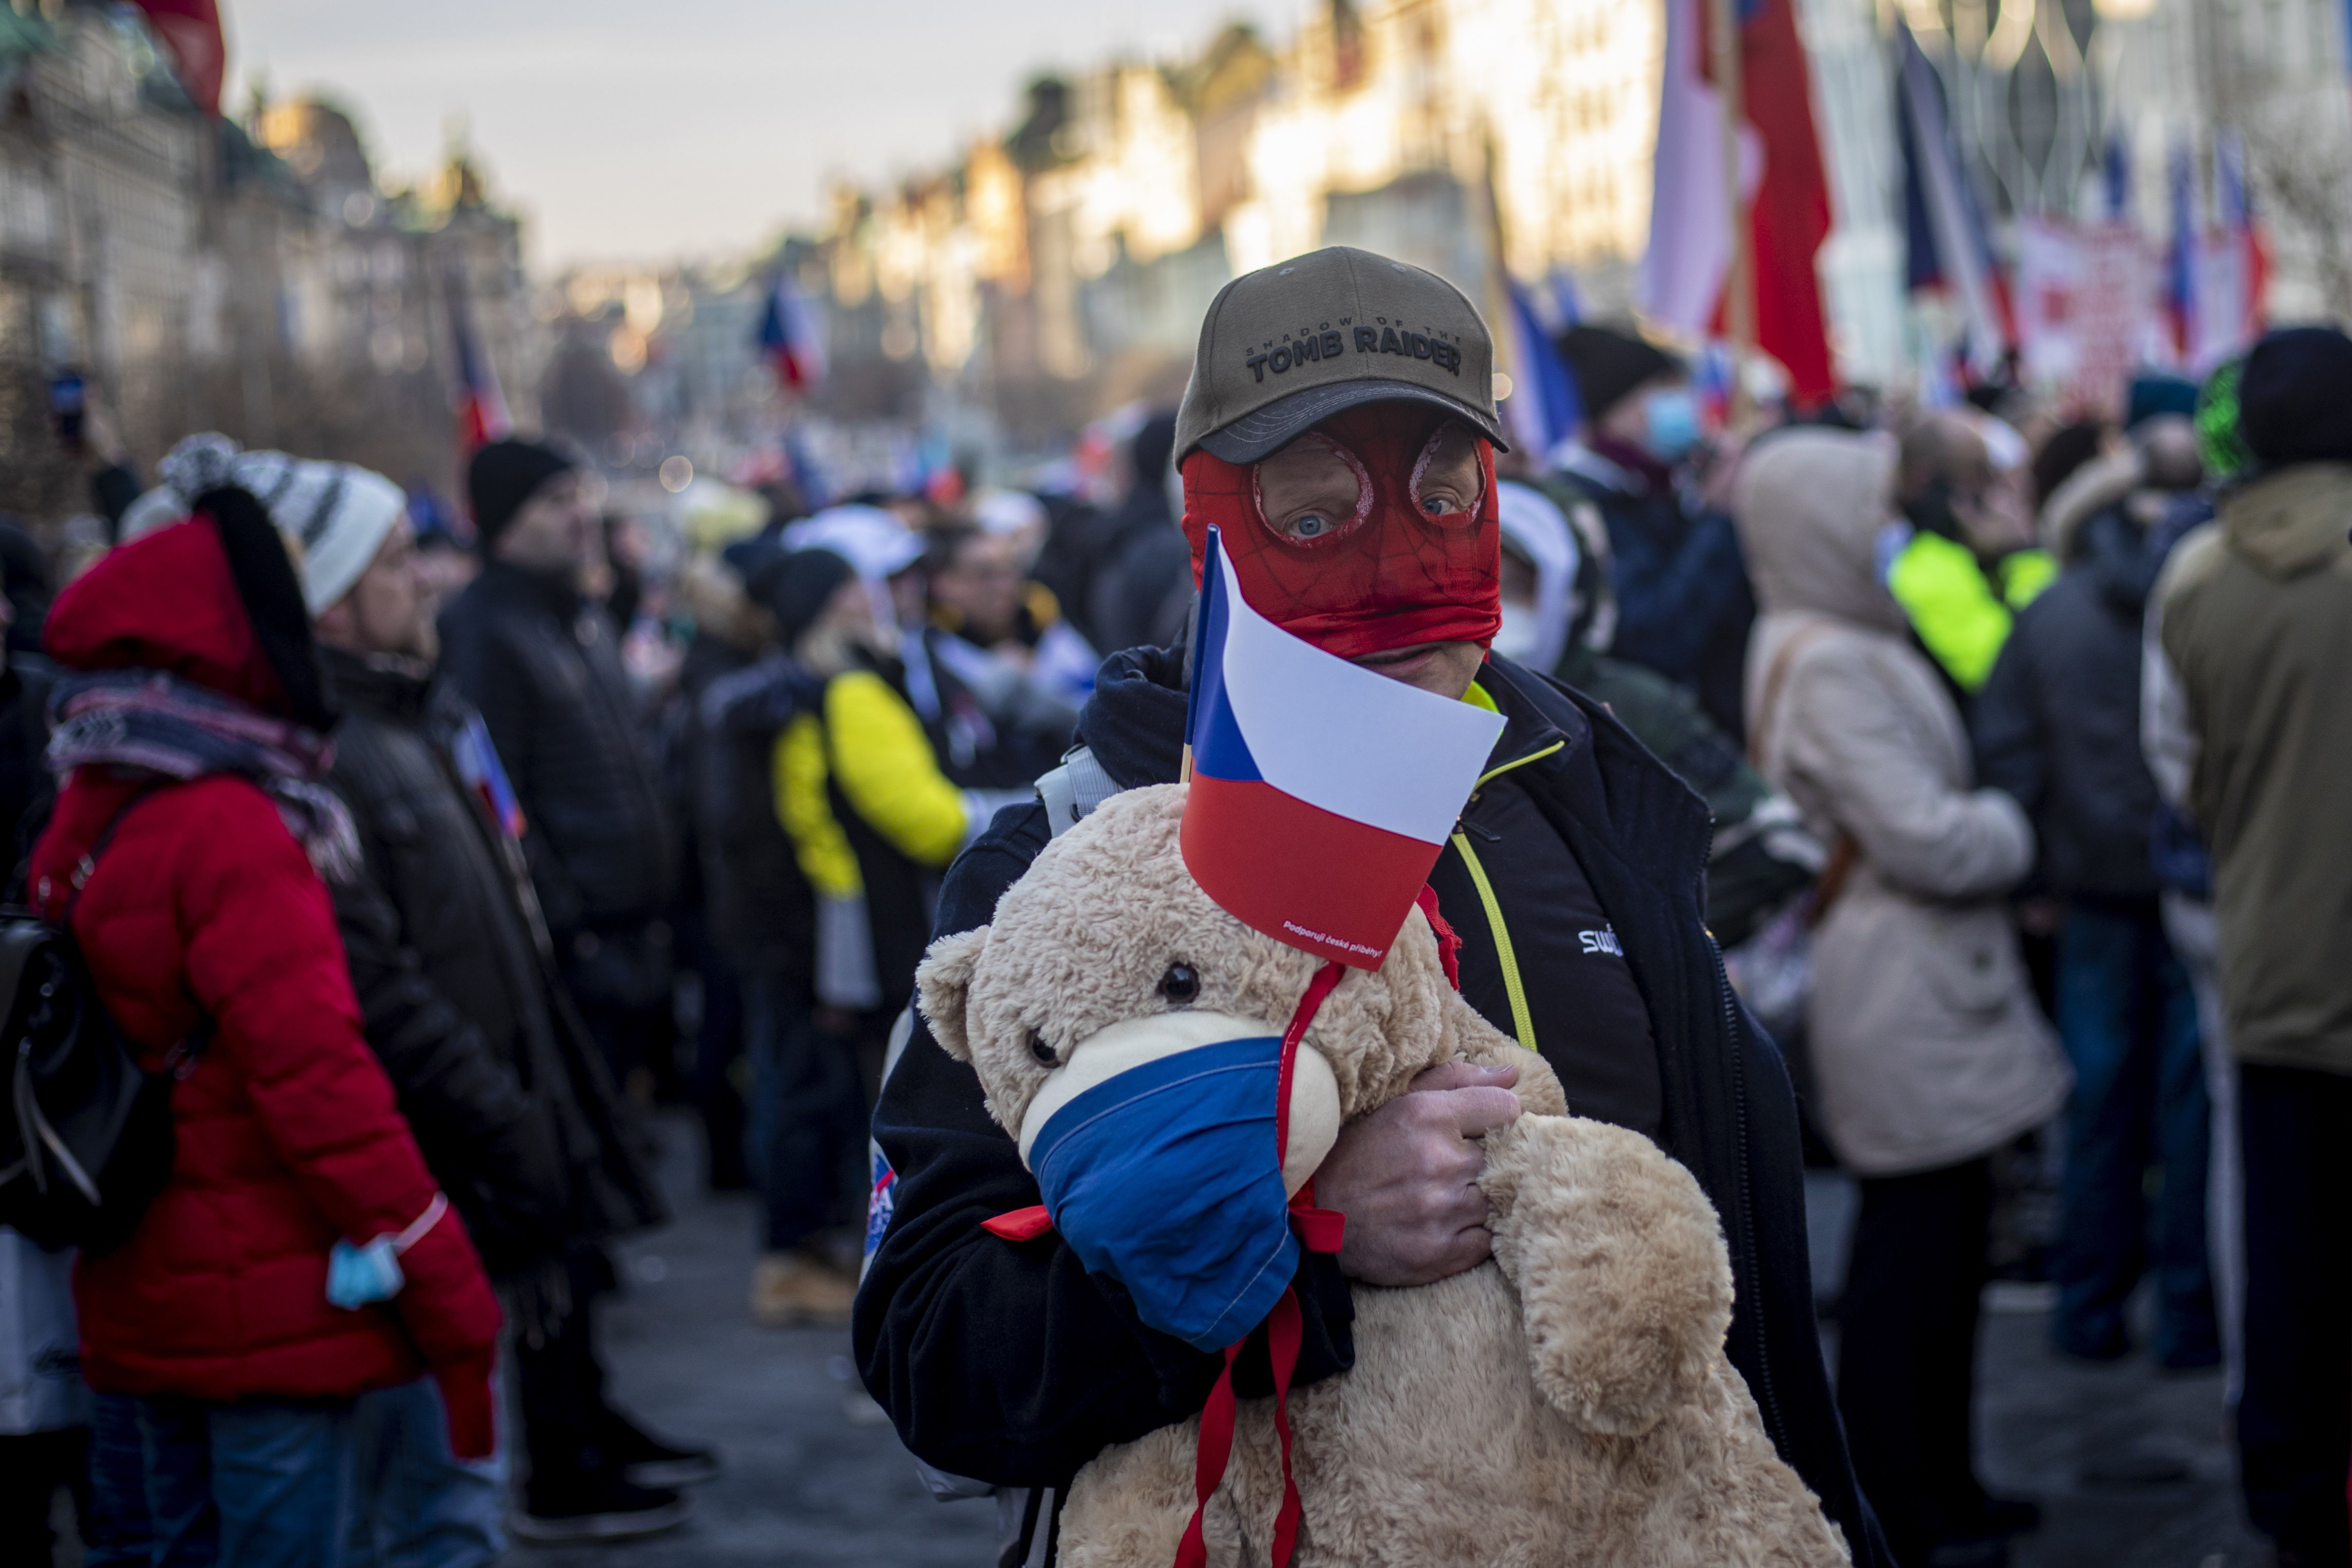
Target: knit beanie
point(195, 464)
point(2157, 394)
point(501, 478)
point(1608, 364)
point(2294, 400)
point(337, 515)
point(795, 587)
point(334, 515)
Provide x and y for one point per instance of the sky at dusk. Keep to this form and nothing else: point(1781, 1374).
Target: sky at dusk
point(652, 129)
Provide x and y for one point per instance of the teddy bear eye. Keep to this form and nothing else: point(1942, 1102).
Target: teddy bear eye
point(1181, 985)
point(1042, 1051)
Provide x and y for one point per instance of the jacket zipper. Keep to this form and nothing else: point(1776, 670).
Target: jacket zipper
point(1522, 1019)
point(1770, 1396)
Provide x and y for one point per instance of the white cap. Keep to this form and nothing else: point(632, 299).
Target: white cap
point(875, 543)
point(1008, 511)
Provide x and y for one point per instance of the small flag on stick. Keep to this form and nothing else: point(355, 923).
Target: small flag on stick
point(1321, 793)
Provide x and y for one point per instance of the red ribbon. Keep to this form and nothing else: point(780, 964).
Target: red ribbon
point(1320, 1230)
point(1020, 1225)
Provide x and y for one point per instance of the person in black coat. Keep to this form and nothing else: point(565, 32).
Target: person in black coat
point(1577, 885)
point(1144, 587)
point(507, 1094)
point(544, 667)
point(1683, 603)
point(27, 788)
point(2058, 727)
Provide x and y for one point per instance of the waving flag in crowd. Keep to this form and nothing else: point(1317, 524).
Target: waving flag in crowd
point(1949, 249)
point(481, 407)
point(1321, 793)
point(1543, 409)
point(2180, 259)
point(791, 335)
point(1782, 184)
point(189, 31)
point(2229, 268)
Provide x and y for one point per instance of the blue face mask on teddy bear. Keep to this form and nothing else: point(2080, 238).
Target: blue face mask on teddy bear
point(1153, 1146)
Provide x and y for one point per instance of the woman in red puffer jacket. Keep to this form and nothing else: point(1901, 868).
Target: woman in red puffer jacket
point(191, 716)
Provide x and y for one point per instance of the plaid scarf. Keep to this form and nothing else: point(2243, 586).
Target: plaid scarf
point(150, 720)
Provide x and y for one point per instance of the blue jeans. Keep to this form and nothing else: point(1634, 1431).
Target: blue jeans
point(415, 1504)
point(2129, 1022)
point(115, 1533)
point(263, 1483)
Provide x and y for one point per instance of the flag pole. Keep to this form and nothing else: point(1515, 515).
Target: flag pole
point(1740, 286)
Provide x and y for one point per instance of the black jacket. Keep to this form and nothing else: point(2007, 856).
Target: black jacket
point(508, 1100)
point(1013, 1365)
point(1684, 603)
point(755, 900)
point(27, 788)
point(2057, 724)
point(544, 669)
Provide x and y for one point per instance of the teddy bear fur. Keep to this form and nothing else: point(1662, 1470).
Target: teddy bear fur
point(1567, 1402)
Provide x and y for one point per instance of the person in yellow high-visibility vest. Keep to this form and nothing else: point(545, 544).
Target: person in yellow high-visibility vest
point(1962, 563)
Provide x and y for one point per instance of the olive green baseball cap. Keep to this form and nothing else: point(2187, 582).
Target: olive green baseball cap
point(1287, 346)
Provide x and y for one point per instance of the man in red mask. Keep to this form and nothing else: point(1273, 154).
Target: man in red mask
point(1340, 431)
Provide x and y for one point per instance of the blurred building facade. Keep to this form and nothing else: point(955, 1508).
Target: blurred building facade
point(1062, 268)
point(202, 274)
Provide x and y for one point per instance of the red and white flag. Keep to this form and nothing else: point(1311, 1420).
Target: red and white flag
point(1782, 185)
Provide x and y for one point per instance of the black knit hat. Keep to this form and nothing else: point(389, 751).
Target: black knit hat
point(2294, 401)
point(1609, 364)
point(795, 586)
point(501, 478)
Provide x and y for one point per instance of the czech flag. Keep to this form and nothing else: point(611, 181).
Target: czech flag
point(1543, 410)
point(480, 770)
point(481, 407)
point(793, 337)
point(1321, 793)
point(1950, 250)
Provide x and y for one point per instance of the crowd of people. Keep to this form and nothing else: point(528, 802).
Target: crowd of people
point(1889, 787)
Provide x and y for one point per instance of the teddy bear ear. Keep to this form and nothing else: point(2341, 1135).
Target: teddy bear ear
point(943, 986)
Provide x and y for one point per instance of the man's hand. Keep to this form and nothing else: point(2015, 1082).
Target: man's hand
point(1406, 1176)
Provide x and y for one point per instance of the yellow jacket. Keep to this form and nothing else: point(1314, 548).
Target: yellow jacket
point(869, 741)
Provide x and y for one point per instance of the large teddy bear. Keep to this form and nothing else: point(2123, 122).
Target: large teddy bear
point(1567, 1402)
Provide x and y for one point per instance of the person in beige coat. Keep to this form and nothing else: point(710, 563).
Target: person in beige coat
point(1928, 1049)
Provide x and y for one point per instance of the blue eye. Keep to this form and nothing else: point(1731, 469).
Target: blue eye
point(1311, 526)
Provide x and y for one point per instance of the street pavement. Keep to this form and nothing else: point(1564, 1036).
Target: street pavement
point(815, 1476)
point(2132, 1466)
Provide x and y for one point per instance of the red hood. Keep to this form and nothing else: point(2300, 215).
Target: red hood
point(165, 601)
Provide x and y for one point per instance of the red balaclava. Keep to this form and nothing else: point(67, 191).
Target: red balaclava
point(1388, 578)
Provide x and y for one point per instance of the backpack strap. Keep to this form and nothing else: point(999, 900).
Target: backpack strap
point(1071, 791)
point(1844, 854)
point(86, 866)
point(181, 1060)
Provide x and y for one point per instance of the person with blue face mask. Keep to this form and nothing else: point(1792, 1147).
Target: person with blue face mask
point(1683, 598)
